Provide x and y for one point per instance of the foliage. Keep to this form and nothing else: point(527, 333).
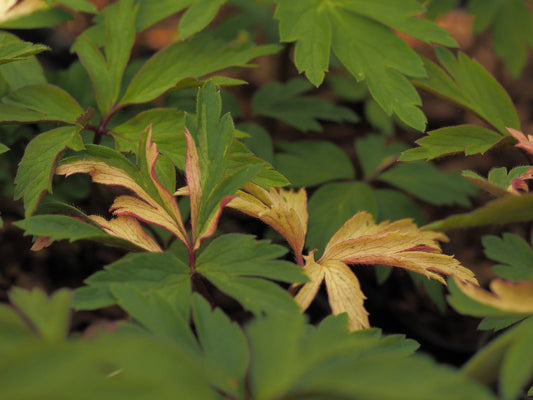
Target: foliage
point(214, 312)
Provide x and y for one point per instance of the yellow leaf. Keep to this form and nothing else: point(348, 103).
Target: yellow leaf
point(513, 297)
point(284, 210)
point(128, 228)
point(361, 241)
point(11, 9)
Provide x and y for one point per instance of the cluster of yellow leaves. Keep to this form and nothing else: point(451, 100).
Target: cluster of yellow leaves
point(359, 241)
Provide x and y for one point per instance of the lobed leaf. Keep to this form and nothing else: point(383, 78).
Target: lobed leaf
point(515, 254)
point(14, 49)
point(283, 101)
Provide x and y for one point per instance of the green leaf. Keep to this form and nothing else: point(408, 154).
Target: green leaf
point(224, 345)
point(310, 163)
point(192, 59)
point(22, 73)
point(332, 205)
point(42, 18)
point(213, 135)
point(14, 49)
point(429, 183)
point(156, 313)
point(509, 358)
point(501, 211)
point(318, 27)
point(49, 316)
point(515, 254)
point(466, 83)
point(36, 169)
point(292, 360)
point(160, 273)
point(167, 132)
point(469, 139)
point(436, 8)
point(374, 155)
point(198, 16)
point(378, 118)
point(106, 70)
point(512, 29)
point(151, 12)
point(283, 101)
point(42, 102)
point(79, 5)
point(242, 267)
point(259, 142)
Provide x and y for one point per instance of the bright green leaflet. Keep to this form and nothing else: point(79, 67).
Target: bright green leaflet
point(310, 163)
point(106, 69)
point(319, 26)
point(191, 59)
point(513, 252)
point(34, 176)
point(198, 16)
point(498, 180)
point(242, 267)
point(332, 205)
point(41, 102)
point(284, 101)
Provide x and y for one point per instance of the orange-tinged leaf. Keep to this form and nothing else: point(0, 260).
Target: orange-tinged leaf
point(401, 243)
point(513, 297)
point(128, 228)
point(284, 210)
point(361, 241)
point(194, 181)
point(345, 295)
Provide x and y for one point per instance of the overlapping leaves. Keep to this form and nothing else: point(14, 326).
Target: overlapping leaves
point(319, 26)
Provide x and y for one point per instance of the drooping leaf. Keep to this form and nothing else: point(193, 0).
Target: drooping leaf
point(15, 49)
point(285, 102)
point(515, 254)
point(243, 268)
point(34, 176)
point(160, 273)
point(191, 59)
point(154, 204)
point(317, 28)
point(224, 346)
point(48, 316)
point(284, 210)
point(41, 102)
point(427, 182)
point(361, 241)
point(292, 360)
point(512, 28)
point(469, 139)
point(309, 163)
point(106, 70)
point(331, 205)
point(209, 138)
point(509, 358)
point(500, 211)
